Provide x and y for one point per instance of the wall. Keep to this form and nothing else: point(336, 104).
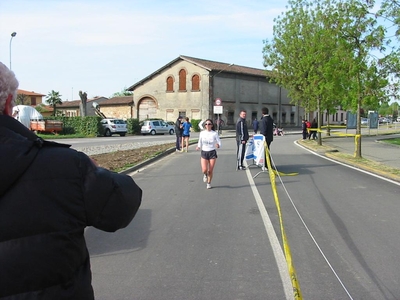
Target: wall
point(237, 92)
point(119, 111)
point(192, 104)
point(252, 93)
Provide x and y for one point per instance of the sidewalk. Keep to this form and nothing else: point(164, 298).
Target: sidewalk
point(372, 148)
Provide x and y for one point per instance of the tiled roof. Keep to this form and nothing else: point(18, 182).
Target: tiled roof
point(211, 66)
point(118, 100)
point(215, 66)
point(111, 101)
point(28, 93)
point(74, 103)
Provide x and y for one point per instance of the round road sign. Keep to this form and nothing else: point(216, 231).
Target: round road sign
point(218, 101)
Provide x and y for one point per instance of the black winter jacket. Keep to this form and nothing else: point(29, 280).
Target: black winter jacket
point(267, 128)
point(242, 133)
point(48, 195)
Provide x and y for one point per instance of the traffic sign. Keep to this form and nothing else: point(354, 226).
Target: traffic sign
point(218, 102)
point(218, 110)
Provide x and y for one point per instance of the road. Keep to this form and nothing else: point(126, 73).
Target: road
point(187, 242)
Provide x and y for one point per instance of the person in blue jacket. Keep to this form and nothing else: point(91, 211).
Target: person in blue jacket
point(186, 133)
point(255, 125)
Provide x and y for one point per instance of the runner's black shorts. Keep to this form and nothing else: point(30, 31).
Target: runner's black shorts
point(209, 154)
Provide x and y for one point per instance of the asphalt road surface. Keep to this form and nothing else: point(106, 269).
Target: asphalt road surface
point(187, 242)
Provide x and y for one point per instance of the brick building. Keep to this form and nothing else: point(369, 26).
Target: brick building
point(189, 86)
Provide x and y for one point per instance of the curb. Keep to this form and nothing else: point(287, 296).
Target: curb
point(148, 161)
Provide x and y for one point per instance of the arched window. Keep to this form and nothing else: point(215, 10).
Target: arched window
point(195, 83)
point(170, 84)
point(182, 80)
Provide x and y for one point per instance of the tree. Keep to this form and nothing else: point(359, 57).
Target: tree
point(53, 99)
point(83, 105)
point(21, 99)
point(395, 107)
point(367, 82)
point(322, 50)
point(390, 10)
point(306, 57)
point(122, 93)
point(40, 108)
point(390, 13)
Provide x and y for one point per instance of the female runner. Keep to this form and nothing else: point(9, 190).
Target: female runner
point(208, 142)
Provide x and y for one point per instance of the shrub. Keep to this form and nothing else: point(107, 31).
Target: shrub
point(133, 126)
point(87, 126)
point(195, 124)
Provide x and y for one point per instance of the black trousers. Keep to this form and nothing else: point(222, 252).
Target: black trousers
point(178, 142)
point(265, 153)
point(243, 150)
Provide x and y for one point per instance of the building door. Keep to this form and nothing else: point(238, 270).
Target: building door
point(147, 109)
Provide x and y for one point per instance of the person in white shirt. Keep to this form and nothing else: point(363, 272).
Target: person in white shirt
point(209, 141)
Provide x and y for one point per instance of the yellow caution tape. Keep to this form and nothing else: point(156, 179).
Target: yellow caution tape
point(284, 174)
point(333, 126)
point(286, 248)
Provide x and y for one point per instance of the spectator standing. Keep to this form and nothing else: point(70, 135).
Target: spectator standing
point(255, 125)
point(308, 125)
point(242, 135)
point(314, 126)
point(178, 133)
point(186, 134)
point(208, 142)
point(49, 194)
point(304, 128)
point(267, 130)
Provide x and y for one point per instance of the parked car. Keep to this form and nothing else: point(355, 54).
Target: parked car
point(383, 120)
point(156, 127)
point(114, 126)
point(364, 121)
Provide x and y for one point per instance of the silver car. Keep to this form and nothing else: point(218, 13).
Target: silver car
point(156, 127)
point(114, 126)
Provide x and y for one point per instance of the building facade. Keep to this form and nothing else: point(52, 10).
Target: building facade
point(29, 98)
point(189, 87)
point(116, 107)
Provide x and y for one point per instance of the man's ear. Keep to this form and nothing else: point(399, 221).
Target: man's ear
point(8, 108)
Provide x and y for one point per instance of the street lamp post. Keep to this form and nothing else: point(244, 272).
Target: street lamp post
point(12, 35)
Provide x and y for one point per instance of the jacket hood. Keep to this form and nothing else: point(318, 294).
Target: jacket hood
point(18, 149)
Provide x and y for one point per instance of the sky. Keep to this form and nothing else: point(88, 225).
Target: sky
point(104, 46)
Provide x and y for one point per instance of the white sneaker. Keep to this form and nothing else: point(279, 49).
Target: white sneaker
point(205, 178)
point(208, 186)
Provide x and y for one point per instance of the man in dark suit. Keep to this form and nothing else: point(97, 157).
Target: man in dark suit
point(267, 128)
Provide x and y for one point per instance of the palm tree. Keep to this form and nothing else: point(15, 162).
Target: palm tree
point(53, 99)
